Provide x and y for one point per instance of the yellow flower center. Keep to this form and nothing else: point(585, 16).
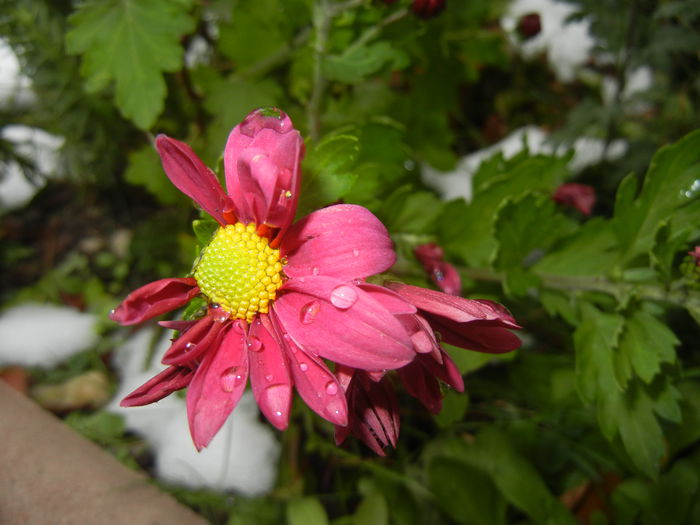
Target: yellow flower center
point(239, 271)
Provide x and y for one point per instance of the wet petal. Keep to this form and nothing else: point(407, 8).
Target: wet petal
point(343, 323)
point(445, 370)
point(481, 337)
point(261, 160)
point(192, 177)
point(154, 299)
point(390, 300)
point(269, 373)
point(217, 386)
point(452, 307)
point(317, 385)
point(191, 344)
point(343, 241)
point(165, 383)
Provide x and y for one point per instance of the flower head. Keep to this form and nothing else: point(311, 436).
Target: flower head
point(579, 196)
point(284, 299)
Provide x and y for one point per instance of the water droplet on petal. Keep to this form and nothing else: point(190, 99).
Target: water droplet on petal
point(278, 413)
point(111, 312)
point(356, 252)
point(303, 367)
point(214, 306)
point(343, 296)
point(189, 346)
point(331, 388)
point(269, 377)
point(254, 344)
point(315, 270)
point(309, 311)
point(231, 379)
point(333, 409)
point(439, 276)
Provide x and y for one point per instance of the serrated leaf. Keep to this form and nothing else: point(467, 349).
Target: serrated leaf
point(464, 493)
point(145, 169)
point(595, 340)
point(356, 63)
point(645, 345)
point(467, 230)
point(131, 43)
point(410, 211)
point(520, 234)
point(306, 511)
point(670, 184)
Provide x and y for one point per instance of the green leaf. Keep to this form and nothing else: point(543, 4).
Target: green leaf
point(645, 344)
point(520, 235)
point(595, 340)
point(467, 230)
point(464, 493)
point(132, 43)
point(454, 406)
point(355, 63)
point(410, 211)
point(372, 510)
point(668, 185)
point(204, 230)
point(144, 169)
point(306, 511)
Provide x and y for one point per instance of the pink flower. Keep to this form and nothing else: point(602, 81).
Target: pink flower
point(442, 273)
point(427, 8)
point(285, 299)
point(696, 254)
point(579, 196)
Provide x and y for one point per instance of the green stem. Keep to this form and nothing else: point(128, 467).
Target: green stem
point(373, 31)
point(322, 21)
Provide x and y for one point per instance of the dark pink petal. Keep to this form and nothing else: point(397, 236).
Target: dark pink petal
point(343, 241)
point(194, 342)
point(452, 307)
point(445, 369)
point(165, 383)
point(179, 326)
point(443, 274)
point(262, 159)
point(696, 254)
point(269, 373)
point(317, 385)
point(192, 177)
point(482, 337)
point(422, 336)
point(154, 299)
point(422, 385)
point(392, 301)
point(217, 386)
point(579, 196)
point(341, 322)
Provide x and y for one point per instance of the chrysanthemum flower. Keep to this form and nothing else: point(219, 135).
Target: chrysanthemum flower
point(284, 299)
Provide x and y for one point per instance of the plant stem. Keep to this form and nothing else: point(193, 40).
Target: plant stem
point(321, 21)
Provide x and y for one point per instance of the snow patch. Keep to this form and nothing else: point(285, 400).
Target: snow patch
point(242, 457)
point(44, 335)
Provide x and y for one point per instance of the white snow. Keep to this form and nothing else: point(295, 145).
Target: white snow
point(567, 44)
point(458, 182)
point(40, 147)
point(242, 457)
point(15, 88)
point(44, 335)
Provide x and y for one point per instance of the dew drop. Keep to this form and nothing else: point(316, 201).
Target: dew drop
point(269, 377)
point(331, 388)
point(439, 276)
point(356, 252)
point(189, 346)
point(254, 344)
point(315, 270)
point(343, 296)
point(278, 413)
point(231, 378)
point(303, 367)
point(309, 311)
point(215, 306)
point(333, 410)
point(111, 312)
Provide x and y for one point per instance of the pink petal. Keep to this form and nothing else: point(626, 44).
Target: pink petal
point(217, 386)
point(317, 386)
point(343, 241)
point(191, 344)
point(452, 307)
point(154, 299)
point(192, 177)
point(480, 337)
point(423, 386)
point(390, 300)
point(268, 193)
point(443, 274)
point(579, 196)
point(343, 323)
point(269, 373)
point(422, 336)
point(165, 383)
point(445, 370)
